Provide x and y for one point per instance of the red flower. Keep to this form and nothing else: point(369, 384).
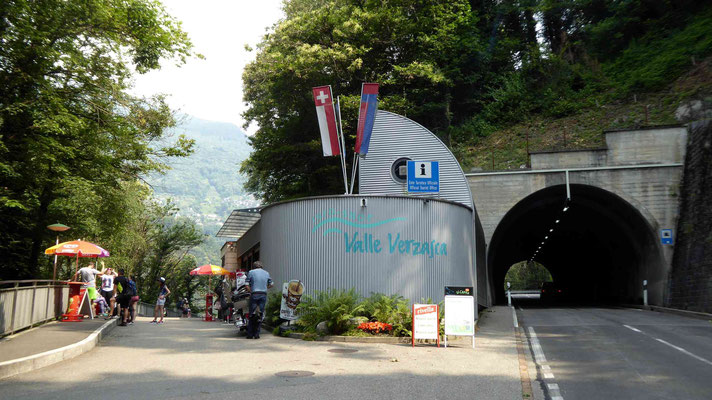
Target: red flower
point(375, 327)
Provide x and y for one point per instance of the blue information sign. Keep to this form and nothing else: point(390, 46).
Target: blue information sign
point(666, 236)
point(423, 177)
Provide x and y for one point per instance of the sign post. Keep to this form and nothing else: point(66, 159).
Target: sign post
point(459, 313)
point(426, 322)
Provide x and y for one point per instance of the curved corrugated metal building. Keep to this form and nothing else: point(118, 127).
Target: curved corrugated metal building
point(382, 240)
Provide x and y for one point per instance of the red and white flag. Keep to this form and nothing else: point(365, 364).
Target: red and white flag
point(327, 120)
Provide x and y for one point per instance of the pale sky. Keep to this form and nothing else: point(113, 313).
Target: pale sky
point(212, 88)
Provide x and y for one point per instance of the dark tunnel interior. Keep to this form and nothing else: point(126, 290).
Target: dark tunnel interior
point(600, 250)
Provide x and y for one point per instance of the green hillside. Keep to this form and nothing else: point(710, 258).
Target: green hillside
point(207, 186)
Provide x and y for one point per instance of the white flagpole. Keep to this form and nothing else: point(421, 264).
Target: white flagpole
point(342, 147)
point(354, 168)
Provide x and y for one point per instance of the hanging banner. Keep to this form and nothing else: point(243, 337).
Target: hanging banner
point(426, 322)
point(326, 115)
point(291, 296)
point(366, 117)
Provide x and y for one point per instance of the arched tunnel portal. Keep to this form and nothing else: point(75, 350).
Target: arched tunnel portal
point(600, 249)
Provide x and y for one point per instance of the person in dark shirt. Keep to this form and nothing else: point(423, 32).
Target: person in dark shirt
point(124, 296)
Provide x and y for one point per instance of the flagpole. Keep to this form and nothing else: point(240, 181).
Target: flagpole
point(353, 172)
point(342, 147)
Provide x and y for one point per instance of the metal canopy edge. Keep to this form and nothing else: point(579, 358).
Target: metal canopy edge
point(239, 222)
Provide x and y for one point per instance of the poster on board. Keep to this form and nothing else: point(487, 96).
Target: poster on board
point(426, 324)
point(291, 296)
point(460, 317)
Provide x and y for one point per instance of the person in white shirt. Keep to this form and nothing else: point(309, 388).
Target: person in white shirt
point(108, 289)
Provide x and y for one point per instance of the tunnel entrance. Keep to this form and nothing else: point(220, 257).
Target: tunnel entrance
point(600, 249)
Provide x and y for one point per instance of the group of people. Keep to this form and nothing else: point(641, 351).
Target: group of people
point(117, 296)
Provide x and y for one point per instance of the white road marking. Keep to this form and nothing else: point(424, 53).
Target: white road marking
point(538, 352)
point(514, 317)
point(540, 360)
point(704, 360)
point(678, 348)
point(633, 329)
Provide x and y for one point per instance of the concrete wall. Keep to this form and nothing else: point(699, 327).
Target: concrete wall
point(568, 159)
point(647, 146)
point(691, 278)
point(642, 166)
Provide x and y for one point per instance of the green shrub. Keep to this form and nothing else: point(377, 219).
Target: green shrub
point(274, 302)
point(394, 310)
point(335, 307)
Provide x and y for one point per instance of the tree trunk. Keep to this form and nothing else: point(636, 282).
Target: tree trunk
point(38, 233)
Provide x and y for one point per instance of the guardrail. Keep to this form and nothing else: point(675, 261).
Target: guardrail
point(146, 310)
point(26, 303)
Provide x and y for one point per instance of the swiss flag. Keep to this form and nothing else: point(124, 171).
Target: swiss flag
point(323, 101)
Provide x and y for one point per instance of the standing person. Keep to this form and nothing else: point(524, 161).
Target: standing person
point(124, 296)
point(258, 281)
point(88, 275)
point(161, 302)
point(108, 291)
point(134, 299)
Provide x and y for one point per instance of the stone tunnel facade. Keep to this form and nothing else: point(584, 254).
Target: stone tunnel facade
point(642, 167)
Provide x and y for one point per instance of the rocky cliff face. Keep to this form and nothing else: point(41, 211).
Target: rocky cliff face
point(691, 280)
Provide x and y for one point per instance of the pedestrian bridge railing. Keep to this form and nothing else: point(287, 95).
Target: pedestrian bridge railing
point(26, 303)
point(146, 310)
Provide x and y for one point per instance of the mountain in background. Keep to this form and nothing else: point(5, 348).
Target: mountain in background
point(207, 186)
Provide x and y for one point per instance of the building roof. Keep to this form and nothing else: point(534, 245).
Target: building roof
point(239, 222)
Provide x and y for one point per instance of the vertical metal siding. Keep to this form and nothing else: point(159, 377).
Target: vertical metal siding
point(395, 136)
point(291, 248)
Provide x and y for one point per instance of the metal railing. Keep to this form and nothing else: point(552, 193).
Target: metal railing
point(26, 303)
point(146, 310)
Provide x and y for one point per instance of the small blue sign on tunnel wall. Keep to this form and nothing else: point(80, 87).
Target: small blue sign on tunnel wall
point(666, 236)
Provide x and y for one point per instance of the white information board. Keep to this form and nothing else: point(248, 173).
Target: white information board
point(460, 317)
point(425, 322)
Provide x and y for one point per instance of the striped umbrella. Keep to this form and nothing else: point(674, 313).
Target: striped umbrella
point(209, 269)
point(77, 248)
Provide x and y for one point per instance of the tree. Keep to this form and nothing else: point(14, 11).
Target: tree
point(69, 132)
point(421, 53)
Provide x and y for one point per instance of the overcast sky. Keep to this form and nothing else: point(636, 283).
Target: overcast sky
point(212, 88)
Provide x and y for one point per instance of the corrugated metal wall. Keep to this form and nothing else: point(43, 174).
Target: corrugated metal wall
point(394, 137)
point(310, 240)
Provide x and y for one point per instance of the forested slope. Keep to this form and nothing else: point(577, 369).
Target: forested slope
point(482, 74)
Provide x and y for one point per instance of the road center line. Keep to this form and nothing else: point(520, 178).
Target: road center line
point(704, 360)
point(633, 329)
point(678, 348)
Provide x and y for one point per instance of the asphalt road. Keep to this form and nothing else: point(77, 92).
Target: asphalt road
point(186, 359)
point(613, 353)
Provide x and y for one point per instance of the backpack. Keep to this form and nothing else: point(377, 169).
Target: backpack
point(132, 288)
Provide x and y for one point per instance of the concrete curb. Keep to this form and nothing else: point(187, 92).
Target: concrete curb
point(684, 313)
point(37, 361)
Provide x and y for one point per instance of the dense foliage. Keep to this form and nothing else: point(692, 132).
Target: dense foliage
point(74, 144)
point(345, 312)
point(463, 69)
point(527, 276)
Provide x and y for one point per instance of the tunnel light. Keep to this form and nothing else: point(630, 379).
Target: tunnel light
point(546, 237)
point(566, 208)
point(557, 221)
point(551, 230)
